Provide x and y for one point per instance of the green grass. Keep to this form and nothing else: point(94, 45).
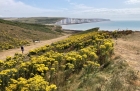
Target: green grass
point(36, 27)
point(39, 20)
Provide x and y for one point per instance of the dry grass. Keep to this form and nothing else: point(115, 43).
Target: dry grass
point(13, 35)
point(128, 48)
point(122, 74)
point(117, 76)
point(21, 33)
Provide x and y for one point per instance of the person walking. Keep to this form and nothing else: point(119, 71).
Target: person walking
point(22, 49)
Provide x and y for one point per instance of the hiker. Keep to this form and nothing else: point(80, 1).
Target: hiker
point(22, 49)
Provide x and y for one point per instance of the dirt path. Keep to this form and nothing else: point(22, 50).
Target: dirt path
point(11, 52)
point(128, 47)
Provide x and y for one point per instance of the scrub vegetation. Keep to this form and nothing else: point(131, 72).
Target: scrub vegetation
point(15, 34)
point(82, 62)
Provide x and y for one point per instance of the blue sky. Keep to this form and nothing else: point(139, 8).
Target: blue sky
point(110, 9)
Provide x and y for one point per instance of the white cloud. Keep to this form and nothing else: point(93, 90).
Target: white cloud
point(68, 0)
point(80, 6)
point(86, 9)
point(1, 16)
point(81, 10)
point(12, 8)
point(132, 1)
point(64, 8)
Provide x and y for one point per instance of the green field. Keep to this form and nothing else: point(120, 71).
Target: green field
point(37, 20)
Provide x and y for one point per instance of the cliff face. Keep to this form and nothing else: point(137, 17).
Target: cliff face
point(78, 21)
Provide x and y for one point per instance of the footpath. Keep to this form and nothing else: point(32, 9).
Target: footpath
point(11, 52)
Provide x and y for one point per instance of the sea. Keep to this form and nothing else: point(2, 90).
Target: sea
point(106, 25)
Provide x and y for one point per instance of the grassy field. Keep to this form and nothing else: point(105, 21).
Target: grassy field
point(37, 20)
point(82, 62)
point(14, 34)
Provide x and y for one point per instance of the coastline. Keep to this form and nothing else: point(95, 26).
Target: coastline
point(81, 23)
point(77, 31)
point(108, 25)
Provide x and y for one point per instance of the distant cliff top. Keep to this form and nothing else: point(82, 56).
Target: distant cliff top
point(79, 20)
point(36, 20)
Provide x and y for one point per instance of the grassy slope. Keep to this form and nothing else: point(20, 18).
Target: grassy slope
point(39, 20)
point(116, 76)
point(14, 31)
point(37, 27)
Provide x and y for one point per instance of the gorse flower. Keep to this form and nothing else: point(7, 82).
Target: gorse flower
point(36, 83)
point(42, 65)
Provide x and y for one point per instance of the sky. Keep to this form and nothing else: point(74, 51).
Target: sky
point(108, 9)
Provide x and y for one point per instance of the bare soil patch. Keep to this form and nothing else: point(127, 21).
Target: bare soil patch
point(128, 47)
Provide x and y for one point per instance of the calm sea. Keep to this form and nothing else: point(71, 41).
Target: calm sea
point(107, 25)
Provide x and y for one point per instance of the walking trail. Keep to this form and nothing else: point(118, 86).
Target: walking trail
point(11, 52)
point(128, 47)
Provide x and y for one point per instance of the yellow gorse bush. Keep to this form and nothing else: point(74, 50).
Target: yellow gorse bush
point(11, 42)
point(86, 51)
point(37, 83)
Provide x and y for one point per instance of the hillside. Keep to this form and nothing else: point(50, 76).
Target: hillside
point(37, 20)
point(128, 48)
point(32, 46)
point(14, 34)
point(82, 62)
